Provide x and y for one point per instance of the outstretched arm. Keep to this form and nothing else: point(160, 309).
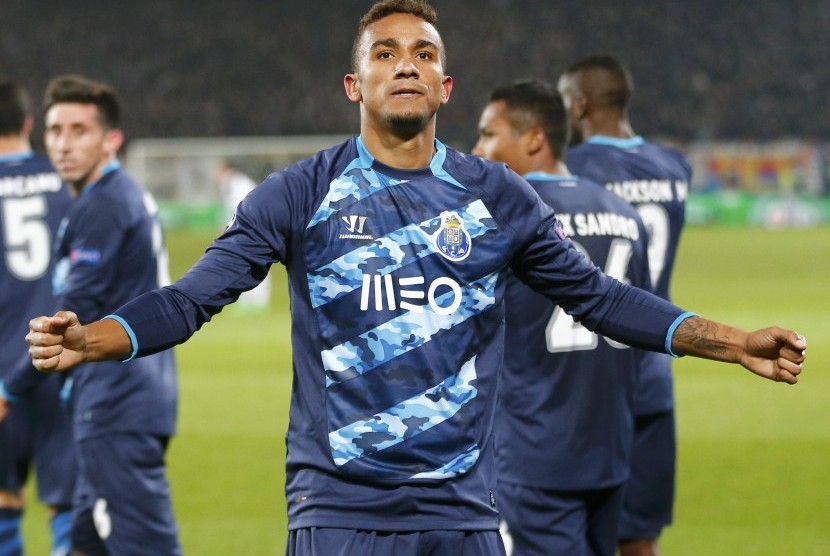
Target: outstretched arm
point(60, 342)
point(773, 353)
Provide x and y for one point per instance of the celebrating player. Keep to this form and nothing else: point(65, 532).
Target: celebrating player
point(396, 248)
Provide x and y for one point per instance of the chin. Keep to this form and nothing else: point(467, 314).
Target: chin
point(408, 121)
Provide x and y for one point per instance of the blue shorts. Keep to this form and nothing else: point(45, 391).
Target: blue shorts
point(123, 503)
point(316, 541)
point(540, 522)
point(38, 431)
point(649, 492)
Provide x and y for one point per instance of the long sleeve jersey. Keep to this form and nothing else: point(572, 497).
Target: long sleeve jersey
point(396, 280)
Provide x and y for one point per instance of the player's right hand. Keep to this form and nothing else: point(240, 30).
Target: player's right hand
point(56, 343)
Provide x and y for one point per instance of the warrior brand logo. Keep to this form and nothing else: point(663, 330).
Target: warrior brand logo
point(355, 225)
point(385, 294)
point(453, 241)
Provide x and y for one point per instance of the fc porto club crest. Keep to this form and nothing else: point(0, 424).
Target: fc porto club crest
point(452, 240)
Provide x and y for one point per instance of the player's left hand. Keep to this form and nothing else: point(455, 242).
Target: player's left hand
point(775, 353)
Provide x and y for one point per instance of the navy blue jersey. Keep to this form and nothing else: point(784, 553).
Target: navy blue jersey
point(565, 418)
point(396, 279)
point(32, 202)
point(110, 250)
point(654, 179)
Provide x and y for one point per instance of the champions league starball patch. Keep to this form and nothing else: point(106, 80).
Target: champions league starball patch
point(452, 240)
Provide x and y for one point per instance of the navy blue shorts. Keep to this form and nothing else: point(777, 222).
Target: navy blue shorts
point(324, 541)
point(538, 522)
point(38, 431)
point(649, 492)
point(123, 503)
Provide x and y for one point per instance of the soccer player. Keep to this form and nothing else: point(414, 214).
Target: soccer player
point(109, 250)
point(396, 247)
point(565, 425)
point(654, 179)
point(35, 427)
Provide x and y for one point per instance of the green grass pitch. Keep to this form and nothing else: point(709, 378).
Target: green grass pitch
point(753, 455)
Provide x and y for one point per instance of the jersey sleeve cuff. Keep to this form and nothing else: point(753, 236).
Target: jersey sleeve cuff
point(130, 333)
point(673, 327)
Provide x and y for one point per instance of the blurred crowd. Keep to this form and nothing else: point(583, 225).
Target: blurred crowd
point(703, 70)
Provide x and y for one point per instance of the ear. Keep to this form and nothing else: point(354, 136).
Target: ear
point(579, 108)
point(113, 140)
point(536, 140)
point(28, 125)
point(352, 85)
point(446, 89)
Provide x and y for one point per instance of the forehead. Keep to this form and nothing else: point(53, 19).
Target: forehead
point(68, 113)
point(495, 113)
point(406, 29)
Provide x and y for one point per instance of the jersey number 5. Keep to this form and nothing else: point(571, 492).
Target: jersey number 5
point(26, 237)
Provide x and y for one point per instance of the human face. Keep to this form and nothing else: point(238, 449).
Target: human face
point(78, 144)
point(400, 81)
point(499, 140)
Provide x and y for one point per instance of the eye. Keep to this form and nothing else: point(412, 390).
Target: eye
point(425, 55)
point(385, 55)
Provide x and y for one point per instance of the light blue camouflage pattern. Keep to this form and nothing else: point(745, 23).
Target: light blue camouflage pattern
point(385, 298)
point(345, 274)
point(458, 466)
point(408, 419)
point(349, 359)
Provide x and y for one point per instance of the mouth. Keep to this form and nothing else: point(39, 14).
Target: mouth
point(406, 93)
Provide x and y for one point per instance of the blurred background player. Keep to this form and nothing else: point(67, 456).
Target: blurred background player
point(234, 185)
point(35, 427)
point(110, 249)
point(565, 424)
point(655, 180)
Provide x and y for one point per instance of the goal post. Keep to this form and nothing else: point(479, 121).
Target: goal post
point(181, 173)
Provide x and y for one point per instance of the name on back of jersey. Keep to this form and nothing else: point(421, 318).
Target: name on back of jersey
point(649, 191)
point(599, 224)
point(23, 186)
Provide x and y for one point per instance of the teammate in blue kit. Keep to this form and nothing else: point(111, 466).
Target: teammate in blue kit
point(565, 424)
point(35, 427)
point(396, 248)
point(655, 180)
point(109, 250)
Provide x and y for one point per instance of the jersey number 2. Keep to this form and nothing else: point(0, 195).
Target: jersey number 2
point(563, 333)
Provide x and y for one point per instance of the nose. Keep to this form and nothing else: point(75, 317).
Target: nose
point(61, 141)
point(407, 68)
point(477, 150)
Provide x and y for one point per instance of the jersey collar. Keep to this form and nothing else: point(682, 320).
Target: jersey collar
point(619, 142)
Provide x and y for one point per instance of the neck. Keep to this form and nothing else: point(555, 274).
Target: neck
point(609, 126)
point(93, 176)
point(547, 164)
point(403, 150)
point(14, 144)
point(556, 168)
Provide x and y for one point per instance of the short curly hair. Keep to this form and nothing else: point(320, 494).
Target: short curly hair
point(384, 8)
